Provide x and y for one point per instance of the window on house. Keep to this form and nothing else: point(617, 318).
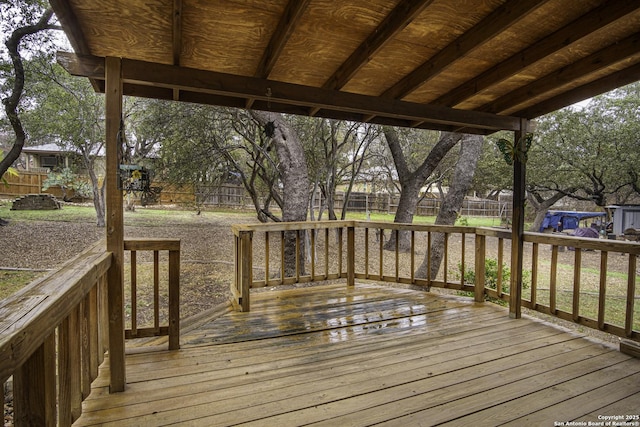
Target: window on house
point(48, 162)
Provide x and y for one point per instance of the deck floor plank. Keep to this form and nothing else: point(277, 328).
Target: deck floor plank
point(334, 355)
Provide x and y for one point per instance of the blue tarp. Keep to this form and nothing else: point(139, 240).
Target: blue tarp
point(569, 220)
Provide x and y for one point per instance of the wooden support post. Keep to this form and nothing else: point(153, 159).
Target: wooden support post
point(174, 300)
point(115, 223)
point(481, 252)
point(351, 256)
point(517, 223)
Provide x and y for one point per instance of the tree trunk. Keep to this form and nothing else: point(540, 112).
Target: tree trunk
point(411, 182)
point(470, 150)
point(295, 181)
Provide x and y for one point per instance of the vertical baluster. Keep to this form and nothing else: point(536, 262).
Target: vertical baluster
point(500, 266)
point(553, 279)
point(351, 256)
point(413, 256)
point(313, 254)
point(366, 252)
point(428, 258)
point(281, 257)
point(103, 324)
point(602, 295)
point(85, 348)
point(134, 297)
point(480, 255)
point(446, 259)
point(577, 267)
point(64, 374)
point(93, 332)
point(462, 258)
point(326, 253)
point(397, 249)
point(631, 291)
point(534, 276)
point(340, 253)
point(297, 255)
point(266, 258)
point(156, 291)
point(381, 251)
point(174, 300)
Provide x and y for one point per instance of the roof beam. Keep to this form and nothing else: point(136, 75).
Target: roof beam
point(401, 16)
point(503, 17)
point(613, 81)
point(291, 16)
point(220, 84)
point(601, 59)
point(583, 26)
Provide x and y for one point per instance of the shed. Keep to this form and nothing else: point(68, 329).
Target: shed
point(624, 217)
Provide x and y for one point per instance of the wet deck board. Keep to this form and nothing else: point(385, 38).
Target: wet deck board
point(339, 356)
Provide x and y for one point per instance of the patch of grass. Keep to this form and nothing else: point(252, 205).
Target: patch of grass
point(69, 213)
point(12, 281)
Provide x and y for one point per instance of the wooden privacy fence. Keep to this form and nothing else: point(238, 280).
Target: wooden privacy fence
point(54, 332)
point(475, 259)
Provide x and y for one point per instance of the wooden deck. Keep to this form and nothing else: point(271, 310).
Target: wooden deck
point(335, 356)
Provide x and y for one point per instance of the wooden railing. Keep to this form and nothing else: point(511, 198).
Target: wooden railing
point(53, 337)
point(360, 250)
point(172, 328)
point(54, 332)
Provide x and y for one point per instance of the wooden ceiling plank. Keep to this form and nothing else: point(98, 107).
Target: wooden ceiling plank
point(565, 75)
point(286, 26)
point(592, 21)
point(401, 16)
point(605, 84)
point(500, 19)
point(168, 76)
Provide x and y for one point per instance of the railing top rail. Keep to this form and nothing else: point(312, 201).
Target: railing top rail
point(317, 225)
point(32, 314)
point(151, 244)
point(584, 242)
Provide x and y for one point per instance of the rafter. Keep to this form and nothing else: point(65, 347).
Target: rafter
point(273, 92)
point(405, 12)
point(177, 38)
point(565, 75)
point(593, 21)
point(605, 84)
point(287, 24)
point(501, 18)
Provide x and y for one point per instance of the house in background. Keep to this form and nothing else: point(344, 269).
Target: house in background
point(48, 157)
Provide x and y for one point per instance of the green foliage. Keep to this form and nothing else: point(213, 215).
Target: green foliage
point(67, 180)
point(491, 276)
point(10, 172)
point(463, 221)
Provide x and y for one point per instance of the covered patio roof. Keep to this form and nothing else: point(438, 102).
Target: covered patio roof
point(473, 66)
